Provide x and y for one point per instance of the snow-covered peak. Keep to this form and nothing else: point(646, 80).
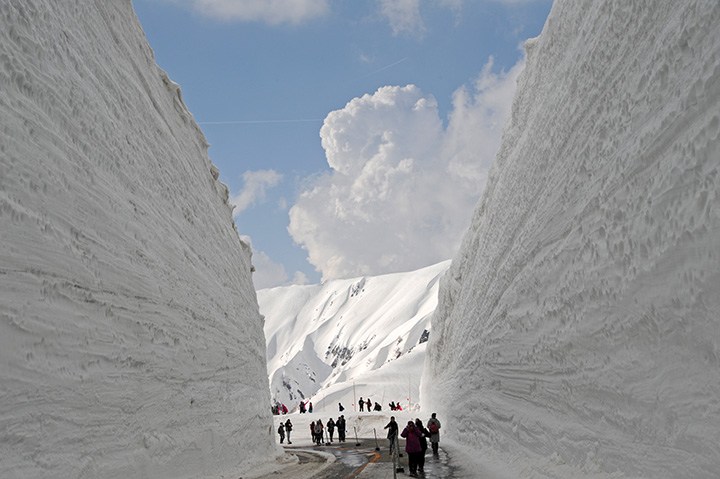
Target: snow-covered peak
point(369, 332)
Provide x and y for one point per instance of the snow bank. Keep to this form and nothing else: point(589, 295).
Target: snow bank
point(131, 344)
point(335, 342)
point(578, 324)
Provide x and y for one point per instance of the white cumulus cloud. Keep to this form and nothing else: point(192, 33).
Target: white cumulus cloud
point(269, 274)
point(401, 188)
point(255, 184)
point(403, 16)
point(268, 11)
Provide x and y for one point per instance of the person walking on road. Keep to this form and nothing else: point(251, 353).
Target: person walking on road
point(434, 429)
point(424, 434)
point(331, 428)
point(281, 432)
point(319, 432)
point(340, 424)
point(392, 434)
point(288, 428)
point(412, 446)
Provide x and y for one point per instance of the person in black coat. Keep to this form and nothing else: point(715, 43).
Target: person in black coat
point(392, 434)
point(331, 428)
point(340, 425)
point(288, 428)
point(423, 443)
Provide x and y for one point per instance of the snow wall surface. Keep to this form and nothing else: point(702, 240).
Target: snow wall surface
point(591, 270)
point(131, 344)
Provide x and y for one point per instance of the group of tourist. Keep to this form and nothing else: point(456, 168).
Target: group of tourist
point(283, 429)
point(307, 407)
point(363, 404)
point(416, 441)
point(318, 430)
point(278, 409)
point(369, 405)
point(416, 437)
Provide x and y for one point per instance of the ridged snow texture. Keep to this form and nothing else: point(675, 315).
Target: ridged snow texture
point(130, 339)
point(592, 266)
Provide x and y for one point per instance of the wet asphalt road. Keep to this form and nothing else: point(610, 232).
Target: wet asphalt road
point(365, 462)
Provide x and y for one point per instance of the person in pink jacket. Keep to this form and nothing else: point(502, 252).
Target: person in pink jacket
point(412, 446)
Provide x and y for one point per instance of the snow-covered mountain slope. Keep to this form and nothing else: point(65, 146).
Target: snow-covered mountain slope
point(335, 342)
point(131, 344)
point(590, 275)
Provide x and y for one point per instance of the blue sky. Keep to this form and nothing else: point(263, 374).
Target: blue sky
point(355, 136)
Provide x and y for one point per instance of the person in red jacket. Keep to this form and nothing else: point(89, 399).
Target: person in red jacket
point(412, 446)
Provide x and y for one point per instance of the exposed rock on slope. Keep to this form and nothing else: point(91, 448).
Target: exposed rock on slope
point(591, 270)
point(130, 339)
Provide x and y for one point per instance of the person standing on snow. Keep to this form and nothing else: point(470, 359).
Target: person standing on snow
point(392, 434)
point(288, 428)
point(412, 446)
point(362, 404)
point(281, 431)
point(369, 405)
point(434, 428)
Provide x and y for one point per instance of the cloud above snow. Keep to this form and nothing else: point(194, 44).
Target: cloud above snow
point(255, 185)
point(273, 12)
point(403, 16)
point(401, 188)
point(269, 274)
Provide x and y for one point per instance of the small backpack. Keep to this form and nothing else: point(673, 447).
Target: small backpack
point(434, 428)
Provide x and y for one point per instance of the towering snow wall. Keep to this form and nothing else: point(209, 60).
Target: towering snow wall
point(590, 276)
point(131, 343)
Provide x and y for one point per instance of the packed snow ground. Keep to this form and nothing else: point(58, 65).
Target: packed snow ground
point(590, 276)
point(346, 339)
point(131, 344)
